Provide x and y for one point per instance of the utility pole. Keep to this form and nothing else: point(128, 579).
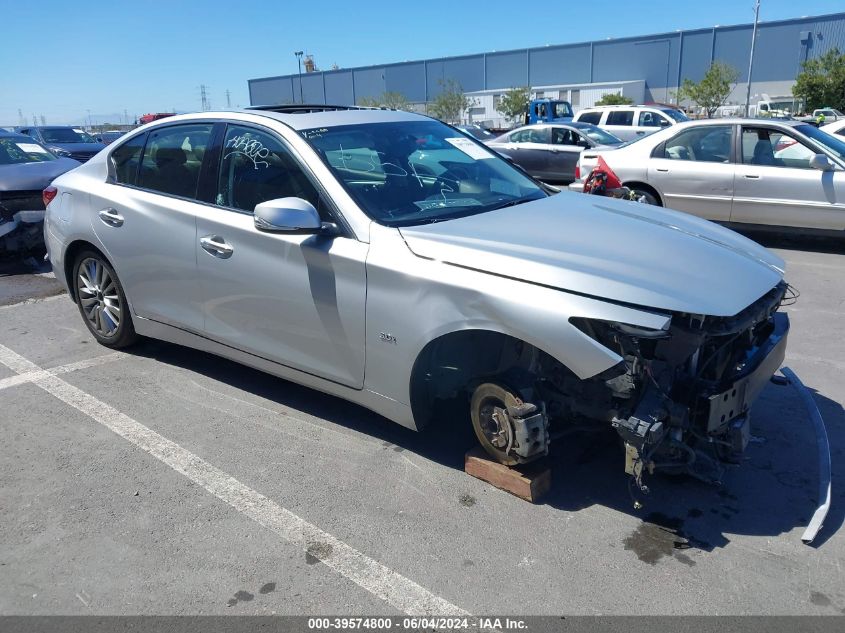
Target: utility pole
point(21, 118)
point(125, 117)
point(43, 120)
point(228, 98)
point(89, 119)
point(204, 97)
point(751, 57)
point(299, 63)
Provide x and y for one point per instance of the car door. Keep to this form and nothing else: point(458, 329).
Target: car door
point(620, 123)
point(528, 147)
point(294, 299)
point(564, 151)
point(145, 217)
point(650, 121)
point(694, 171)
point(776, 185)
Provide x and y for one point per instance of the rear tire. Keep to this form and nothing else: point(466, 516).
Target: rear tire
point(648, 196)
point(101, 301)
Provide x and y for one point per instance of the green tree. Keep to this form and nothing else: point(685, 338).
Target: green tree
point(712, 91)
point(821, 82)
point(514, 103)
point(451, 103)
point(393, 100)
point(612, 98)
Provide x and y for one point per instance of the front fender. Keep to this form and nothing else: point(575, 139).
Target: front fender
point(412, 301)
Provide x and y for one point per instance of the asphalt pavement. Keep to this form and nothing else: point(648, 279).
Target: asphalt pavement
point(161, 480)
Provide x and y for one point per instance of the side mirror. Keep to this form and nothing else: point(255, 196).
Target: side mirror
point(287, 215)
point(664, 123)
point(821, 162)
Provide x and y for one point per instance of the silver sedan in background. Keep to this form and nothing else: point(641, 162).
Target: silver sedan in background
point(740, 171)
point(550, 152)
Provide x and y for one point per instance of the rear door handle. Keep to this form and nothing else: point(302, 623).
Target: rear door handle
point(663, 169)
point(752, 176)
point(111, 217)
point(217, 246)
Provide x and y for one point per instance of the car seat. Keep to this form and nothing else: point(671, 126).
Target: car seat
point(763, 153)
point(173, 176)
point(678, 152)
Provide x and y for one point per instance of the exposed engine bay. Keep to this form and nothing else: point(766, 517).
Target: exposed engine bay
point(680, 400)
point(21, 222)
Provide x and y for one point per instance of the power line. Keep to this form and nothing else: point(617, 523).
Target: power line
point(228, 98)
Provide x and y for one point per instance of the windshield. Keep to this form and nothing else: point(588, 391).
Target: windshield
point(676, 114)
point(599, 135)
point(831, 143)
point(14, 151)
point(563, 109)
point(65, 135)
point(418, 172)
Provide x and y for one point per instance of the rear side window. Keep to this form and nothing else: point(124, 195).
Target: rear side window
point(126, 159)
point(256, 167)
point(620, 117)
point(173, 158)
point(590, 117)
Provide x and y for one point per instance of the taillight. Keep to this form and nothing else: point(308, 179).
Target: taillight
point(577, 171)
point(48, 194)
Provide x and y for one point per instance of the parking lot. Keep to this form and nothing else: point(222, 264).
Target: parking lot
point(168, 481)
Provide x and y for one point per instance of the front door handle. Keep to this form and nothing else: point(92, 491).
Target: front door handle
point(217, 246)
point(663, 169)
point(752, 176)
point(111, 217)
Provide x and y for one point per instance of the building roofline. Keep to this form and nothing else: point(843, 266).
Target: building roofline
point(627, 38)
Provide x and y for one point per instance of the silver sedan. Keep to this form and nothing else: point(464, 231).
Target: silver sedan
point(550, 152)
point(739, 171)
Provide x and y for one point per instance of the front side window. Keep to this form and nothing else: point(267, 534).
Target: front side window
point(773, 148)
point(173, 158)
point(564, 136)
point(709, 144)
point(126, 160)
point(255, 167)
point(562, 110)
point(17, 150)
point(652, 119)
point(620, 117)
point(416, 172)
point(65, 135)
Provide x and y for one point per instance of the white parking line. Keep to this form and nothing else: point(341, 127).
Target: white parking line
point(30, 376)
point(399, 592)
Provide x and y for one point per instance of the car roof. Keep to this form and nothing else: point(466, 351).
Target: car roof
point(16, 135)
point(303, 117)
point(740, 121)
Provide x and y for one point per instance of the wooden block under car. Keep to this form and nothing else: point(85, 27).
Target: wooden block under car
point(528, 481)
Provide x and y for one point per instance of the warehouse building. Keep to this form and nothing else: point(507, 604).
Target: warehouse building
point(646, 68)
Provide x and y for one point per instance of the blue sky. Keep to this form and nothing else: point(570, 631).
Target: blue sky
point(61, 59)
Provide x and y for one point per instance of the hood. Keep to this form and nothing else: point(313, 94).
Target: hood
point(613, 249)
point(32, 176)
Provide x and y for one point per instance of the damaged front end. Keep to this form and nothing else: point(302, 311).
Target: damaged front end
point(681, 397)
point(21, 222)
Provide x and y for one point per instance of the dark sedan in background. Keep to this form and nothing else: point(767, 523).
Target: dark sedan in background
point(26, 169)
point(550, 152)
point(64, 140)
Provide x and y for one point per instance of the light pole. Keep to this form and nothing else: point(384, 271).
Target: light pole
point(299, 63)
point(751, 57)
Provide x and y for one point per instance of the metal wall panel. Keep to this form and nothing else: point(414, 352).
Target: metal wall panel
point(652, 59)
point(733, 46)
point(270, 91)
point(312, 88)
point(560, 65)
point(406, 79)
point(467, 71)
point(369, 82)
point(339, 88)
point(695, 58)
point(507, 70)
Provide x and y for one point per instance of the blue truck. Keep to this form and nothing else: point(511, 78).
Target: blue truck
point(548, 111)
